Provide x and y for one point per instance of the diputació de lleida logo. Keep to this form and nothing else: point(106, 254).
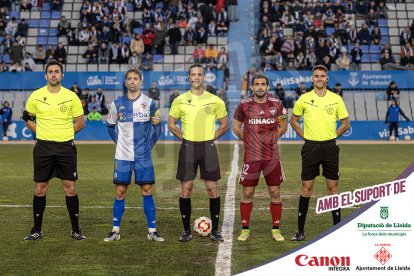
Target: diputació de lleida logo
point(384, 212)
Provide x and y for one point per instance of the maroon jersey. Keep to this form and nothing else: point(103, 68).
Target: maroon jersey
point(260, 128)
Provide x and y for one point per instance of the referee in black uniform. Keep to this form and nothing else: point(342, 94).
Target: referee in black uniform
point(49, 113)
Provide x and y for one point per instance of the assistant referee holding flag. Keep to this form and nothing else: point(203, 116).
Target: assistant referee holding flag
point(49, 113)
point(320, 109)
point(198, 111)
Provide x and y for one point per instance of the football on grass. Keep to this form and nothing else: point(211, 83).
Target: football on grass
point(202, 226)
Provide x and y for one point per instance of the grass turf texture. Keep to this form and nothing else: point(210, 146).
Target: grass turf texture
point(361, 165)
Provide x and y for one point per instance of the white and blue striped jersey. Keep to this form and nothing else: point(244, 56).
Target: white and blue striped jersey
point(138, 127)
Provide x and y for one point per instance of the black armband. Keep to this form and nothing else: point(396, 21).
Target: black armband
point(27, 117)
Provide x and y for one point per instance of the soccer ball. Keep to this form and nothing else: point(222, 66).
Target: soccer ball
point(202, 226)
point(392, 138)
point(5, 138)
point(407, 137)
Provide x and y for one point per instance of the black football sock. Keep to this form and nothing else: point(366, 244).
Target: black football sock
point(185, 209)
point(336, 216)
point(39, 204)
point(72, 203)
point(303, 210)
point(215, 212)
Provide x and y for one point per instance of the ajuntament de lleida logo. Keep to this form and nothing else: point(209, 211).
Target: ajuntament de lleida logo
point(384, 212)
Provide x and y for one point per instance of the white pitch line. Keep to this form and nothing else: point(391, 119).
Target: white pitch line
point(223, 259)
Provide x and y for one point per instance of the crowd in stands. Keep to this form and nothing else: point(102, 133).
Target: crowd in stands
point(112, 37)
point(325, 33)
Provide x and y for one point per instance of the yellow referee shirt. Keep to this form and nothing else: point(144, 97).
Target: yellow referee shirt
point(198, 115)
point(320, 114)
point(54, 113)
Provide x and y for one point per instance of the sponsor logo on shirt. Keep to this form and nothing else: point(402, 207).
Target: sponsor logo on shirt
point(262, 121)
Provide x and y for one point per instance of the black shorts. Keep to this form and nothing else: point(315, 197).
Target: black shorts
point(54, 159)
point(315, 153)
point(194, 154)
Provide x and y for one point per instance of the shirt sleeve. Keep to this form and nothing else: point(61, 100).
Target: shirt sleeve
point(77, 109)
point(221, 111)
point(238, 113)
point(31, 105)
point(298, 107)
point(112, 115)
point(175, 109)
point(342, 112)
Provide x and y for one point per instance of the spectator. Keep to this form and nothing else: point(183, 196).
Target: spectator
point(90, 54)
point(22, 28)
point(376, 36)
point(201, 36)
point(356, 54)
point(174, 94)
point(199, 54)
point(326, 61)
point(16, 53)
point(407, 55)
point(175, 38)
point(148, 62)
point(15, 68)
point(60, 53)
point(11, 27)
point(6, 114)
point(223, 96)
point(94, 115)
point(329, 18)
point(382, 10)
point(73, 37)
point(147, 38)
point(300, 90)
point(159, 39)
point(247, 79)
point(189, 36)
point(27, 68)
point(25, 5)
point(211, 54)
point(280, 94)
point(361, 9)
point(137, 45)
point(341, 34)
point(232, 8)
point(93, 104)
point(100, 99)
point(56, 5)
point(338, 89)
point(4, 67)
point(387, 49)
point(405, 36)
point(364, 36)
point(135, 61)
point(372, 18)
point(222, 58)
point(343, 62)
point(353, 35)
point(386, 59)
point(154, 93)
point(29, 60)
point(114, 54)
point(103, 54)
point(63, 26)
point(75, 88)
point(124, 53)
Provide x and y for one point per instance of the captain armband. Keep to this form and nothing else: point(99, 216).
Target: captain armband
point(282, 118)
point(27, 117)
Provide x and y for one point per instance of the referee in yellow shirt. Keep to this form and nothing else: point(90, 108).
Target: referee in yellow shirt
point(320, 109)
point(49, 113)
point(198, 111)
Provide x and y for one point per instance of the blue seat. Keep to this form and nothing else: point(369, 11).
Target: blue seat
point(6, 58)
point(126, 39)
point(33, 23)
point(374, 49)
point(158, 58)
point(129, 6)
point(138, 30)
point(382, 23)
point(14, 14)
point(44, 23)
point(365, 58)
point(1, 39)
point(41, 40)
point(46, 6)
point(56, 14)
point(384, 30)
point(52, 40)
point(329, 31)
point(53, 32)
point(43, 32)
point(375, 57)
point(364, 48)
point(385, 39)
point(45, 15)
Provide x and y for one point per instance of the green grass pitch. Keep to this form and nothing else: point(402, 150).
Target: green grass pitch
point(361, 165)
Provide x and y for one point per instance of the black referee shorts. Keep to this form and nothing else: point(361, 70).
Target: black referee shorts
point(314, 154)
point(54, 159)
point(194, 154)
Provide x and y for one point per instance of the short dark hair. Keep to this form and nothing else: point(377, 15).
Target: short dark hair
point(54, 62)
point(320, 67)
point(133, 70)
point(261, 76)
point(195, 65)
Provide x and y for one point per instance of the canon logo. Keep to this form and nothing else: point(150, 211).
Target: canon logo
point(304, 260)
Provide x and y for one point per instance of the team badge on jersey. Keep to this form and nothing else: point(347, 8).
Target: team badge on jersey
point(63, 108)
point(144, 105)
point(272, 110)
